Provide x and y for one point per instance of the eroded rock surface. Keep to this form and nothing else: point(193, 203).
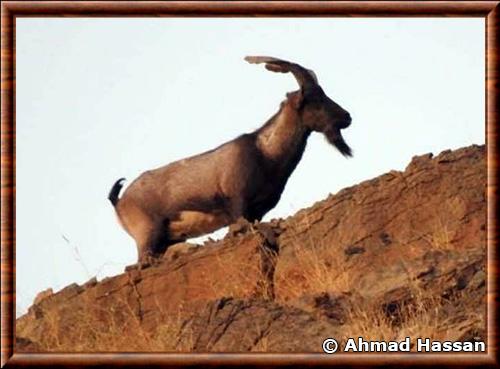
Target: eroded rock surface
point(401, 254)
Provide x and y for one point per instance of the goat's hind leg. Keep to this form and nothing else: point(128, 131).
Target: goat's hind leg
point(154, 245)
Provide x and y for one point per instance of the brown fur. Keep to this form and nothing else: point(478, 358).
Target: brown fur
point(241, 178)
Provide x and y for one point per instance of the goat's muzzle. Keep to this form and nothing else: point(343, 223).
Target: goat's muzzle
point(345, 121)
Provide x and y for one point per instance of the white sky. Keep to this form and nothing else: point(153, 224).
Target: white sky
point(99, 99)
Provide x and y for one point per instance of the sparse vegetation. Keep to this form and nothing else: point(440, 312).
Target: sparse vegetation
point(345, 268)
point(110, 330)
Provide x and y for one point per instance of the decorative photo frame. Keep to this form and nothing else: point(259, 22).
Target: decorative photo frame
point(12, 10)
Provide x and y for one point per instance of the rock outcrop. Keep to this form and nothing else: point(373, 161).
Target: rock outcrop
point(400, 255)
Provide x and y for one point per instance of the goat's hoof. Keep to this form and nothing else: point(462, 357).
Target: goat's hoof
point(175, 251)
point(148, 261)
point(128, 268)
point(241, 226)
point(143, 264)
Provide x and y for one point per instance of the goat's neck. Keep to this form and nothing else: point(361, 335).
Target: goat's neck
point(283, 138)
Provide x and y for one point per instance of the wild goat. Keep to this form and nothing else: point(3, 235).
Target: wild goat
point(241, 178)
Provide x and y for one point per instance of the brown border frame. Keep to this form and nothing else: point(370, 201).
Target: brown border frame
point(10, 10)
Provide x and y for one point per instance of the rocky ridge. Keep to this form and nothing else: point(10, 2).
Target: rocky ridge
point(401, 254)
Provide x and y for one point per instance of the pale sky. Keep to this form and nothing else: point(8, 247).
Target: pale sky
point(100, 99)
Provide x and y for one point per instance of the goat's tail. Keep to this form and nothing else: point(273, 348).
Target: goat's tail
point(115, 191)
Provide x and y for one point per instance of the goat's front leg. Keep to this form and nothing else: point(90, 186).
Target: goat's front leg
point(239, 221)
point(237, 209)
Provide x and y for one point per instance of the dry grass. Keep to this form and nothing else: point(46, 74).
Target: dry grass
point(241, 277)
point(320, 267)
point(440, 238)
point(422, 317)
point(322, 272)
point(115, 329)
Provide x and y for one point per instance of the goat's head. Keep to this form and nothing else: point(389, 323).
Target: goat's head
point(317, 111)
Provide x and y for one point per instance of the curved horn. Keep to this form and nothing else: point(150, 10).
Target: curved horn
point(305, 77)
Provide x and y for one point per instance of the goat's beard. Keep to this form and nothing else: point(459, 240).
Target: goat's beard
point(334, 137)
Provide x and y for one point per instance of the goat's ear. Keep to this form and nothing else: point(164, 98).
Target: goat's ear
point(295, 98)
